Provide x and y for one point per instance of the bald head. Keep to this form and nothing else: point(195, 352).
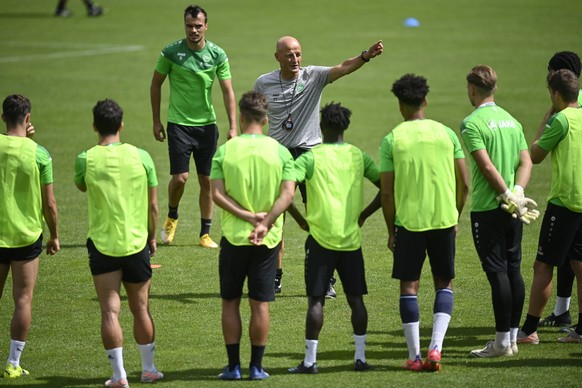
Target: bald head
point(286, 42)
point(288, 54)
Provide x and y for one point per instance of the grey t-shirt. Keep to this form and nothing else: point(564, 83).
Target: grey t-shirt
point(304, 107)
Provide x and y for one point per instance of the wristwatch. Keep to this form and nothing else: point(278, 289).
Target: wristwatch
point(364, 58)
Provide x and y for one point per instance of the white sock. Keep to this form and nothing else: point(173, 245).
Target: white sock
point(16, 348)
point(439, 329)
point(115, 357)
point(562, 305)
point(412, 335)
point(310, 352)
point(360, 342)
point(147, 356)
point(502, 339)
point(513, 334)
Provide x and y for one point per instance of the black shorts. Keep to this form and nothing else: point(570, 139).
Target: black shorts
point(257, 263)
point(320, 263)
point(297, 152)
point(560, 236)
point(411, 248)
point(200, 142)
point(135, 268)
point(497, 238)
point(22, 253)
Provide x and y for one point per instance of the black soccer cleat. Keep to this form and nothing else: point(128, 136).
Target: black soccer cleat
point(302, 369)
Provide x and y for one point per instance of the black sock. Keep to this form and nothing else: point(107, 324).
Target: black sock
point(173, 212)
point(257, 356)
point(279, 273)
point(531, 324)
point(579, 324)
point(233, 352)
point(205, 225)
point(61, 5)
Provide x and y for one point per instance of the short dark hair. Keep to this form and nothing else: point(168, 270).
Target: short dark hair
point(194, 10)
point(107, 117)
point(565, 60)
point(253, 106)
point(335, 117)
point(410, 89)
point(484, 78)
point(15, 108)
point(565, 83)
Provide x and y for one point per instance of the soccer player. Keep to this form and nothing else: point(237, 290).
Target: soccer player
point(424, 187)
point(560, 241)
point(121, 185)
point(501, 170)
point(92, 9)
point(334, 174)
point(565, 275)
point(26, 174)
point(253, 181)
point(294, 94)
point(192, 64)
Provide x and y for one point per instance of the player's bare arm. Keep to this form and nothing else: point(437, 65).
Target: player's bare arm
point(156, 99)
point(230, 106)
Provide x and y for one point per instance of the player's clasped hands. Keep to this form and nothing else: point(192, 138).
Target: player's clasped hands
point(518, 205)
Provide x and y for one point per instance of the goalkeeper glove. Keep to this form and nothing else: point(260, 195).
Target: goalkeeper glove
point(518, 205)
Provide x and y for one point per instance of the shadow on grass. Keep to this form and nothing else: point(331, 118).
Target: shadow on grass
point(27, 15)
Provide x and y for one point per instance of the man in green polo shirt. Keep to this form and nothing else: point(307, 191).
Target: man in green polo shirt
point(253, 181)
point(191, 64)
point(560, 241)
point(334, 173)
point(424, 187)
point(121, 185)
point(26, 195)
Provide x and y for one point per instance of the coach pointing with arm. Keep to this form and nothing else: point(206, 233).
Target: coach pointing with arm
point(294, 95)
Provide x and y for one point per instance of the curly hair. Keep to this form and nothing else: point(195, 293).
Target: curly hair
point(565, 60)
point(335, 117)
point(410, 89)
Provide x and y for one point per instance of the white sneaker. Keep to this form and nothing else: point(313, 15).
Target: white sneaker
point(514, 348)
point(491, 351)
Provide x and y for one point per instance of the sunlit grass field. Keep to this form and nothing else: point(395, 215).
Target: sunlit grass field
point(65, 65)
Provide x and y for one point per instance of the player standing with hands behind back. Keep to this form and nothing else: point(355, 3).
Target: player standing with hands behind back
point(253, 181)
point(501, 171)
point(192, 65)
point(26, 174)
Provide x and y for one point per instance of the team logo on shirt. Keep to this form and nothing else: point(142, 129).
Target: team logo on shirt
point(492, 124)
point(181, 56)
point(300, 87)
point(206, 57)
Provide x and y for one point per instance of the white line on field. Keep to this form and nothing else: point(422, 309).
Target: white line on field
point(98, 49)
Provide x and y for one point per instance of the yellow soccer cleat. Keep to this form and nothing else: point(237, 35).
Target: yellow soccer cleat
point(14, 372)
point(169, 230)
point(206, 242)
